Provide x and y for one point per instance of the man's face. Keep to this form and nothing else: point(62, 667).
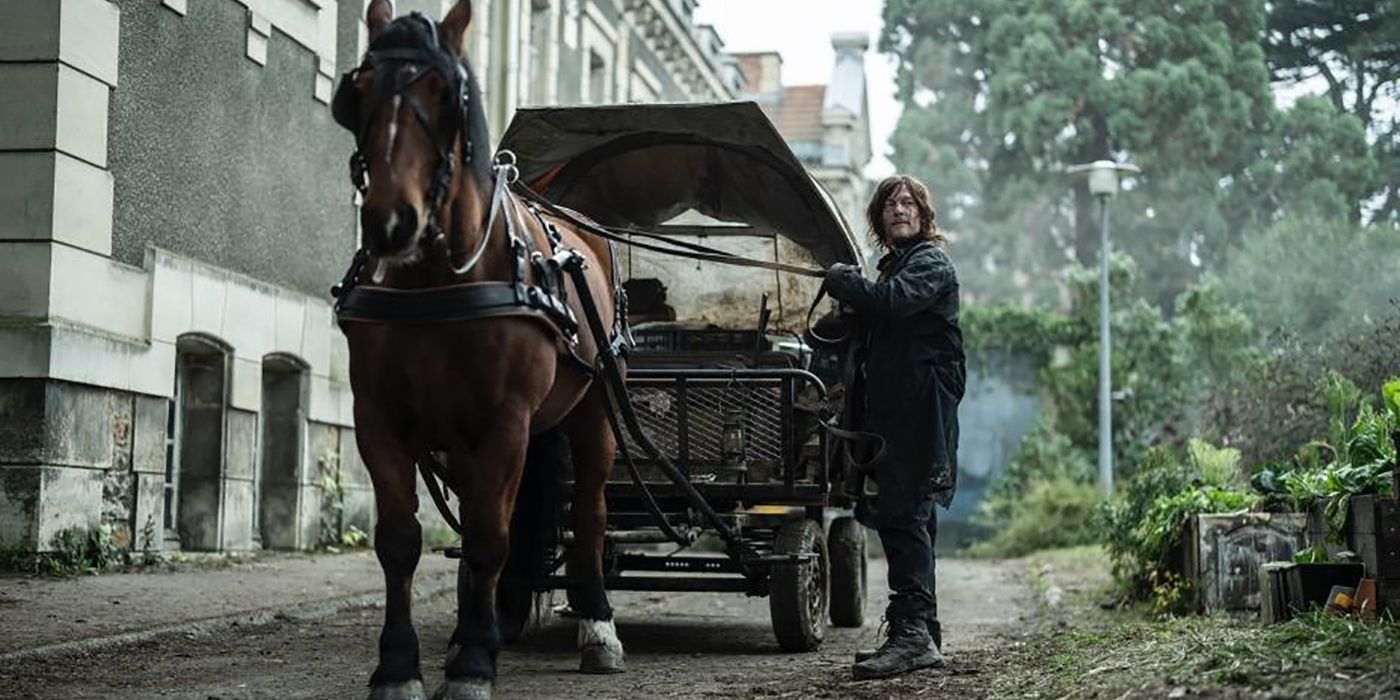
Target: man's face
point(901, 215)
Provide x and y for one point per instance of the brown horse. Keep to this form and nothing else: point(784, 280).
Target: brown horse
point(482, 388)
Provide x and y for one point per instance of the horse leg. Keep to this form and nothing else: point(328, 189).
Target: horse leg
point(491, 478)
point(397, 544)
point(594, 447)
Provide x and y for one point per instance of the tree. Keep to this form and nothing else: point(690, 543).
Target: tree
point(1353, 47)
point(1001, 94)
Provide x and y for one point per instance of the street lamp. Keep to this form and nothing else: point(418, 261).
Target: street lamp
point(1103, 183)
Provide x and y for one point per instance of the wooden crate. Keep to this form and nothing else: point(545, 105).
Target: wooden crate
point(1226, 552)
point(1373, 532)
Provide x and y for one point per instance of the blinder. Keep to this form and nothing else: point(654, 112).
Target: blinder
point(410, 40)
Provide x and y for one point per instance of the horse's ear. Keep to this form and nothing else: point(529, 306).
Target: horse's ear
point(378, 16)
point(454, 26)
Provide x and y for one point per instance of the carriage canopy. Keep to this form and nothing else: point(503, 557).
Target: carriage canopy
point(655, 167)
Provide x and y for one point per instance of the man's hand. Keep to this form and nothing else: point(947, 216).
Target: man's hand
point(840, 269)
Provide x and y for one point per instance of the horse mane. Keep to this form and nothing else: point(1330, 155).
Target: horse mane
point(478, 130)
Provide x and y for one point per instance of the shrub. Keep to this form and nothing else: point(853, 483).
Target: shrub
point(1060, 512)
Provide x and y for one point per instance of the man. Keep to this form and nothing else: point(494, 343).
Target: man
point(914, 375)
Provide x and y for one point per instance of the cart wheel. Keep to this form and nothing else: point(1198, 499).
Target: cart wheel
point(846, 544)
point(515, 603)
point(798, 593)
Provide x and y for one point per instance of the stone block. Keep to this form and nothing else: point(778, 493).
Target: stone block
point(308, 517)
point(246, 390)
point(340, 360)
point(69, 497)
point(82, 204)
point(149, 517)
point(153, 369)
point(171, 299)
point(323, 89)
point(30, 108)
point(53, 106)
point(241, 447)
point(358, 509)
point(58, 423)
point(81, 356)
point(237, 515)
point(84, 425)
point(24, 276)
point(24, 349)
point(123, 422)
point(323, 451)
point(19, 506)
point(207, 297)
point(250, 319)
point(121, 306)
point(179, 7)
point(345, 403)
point(257, 47)
point(352, 469)
point(23, 406)
point(150, 417)
point(318, 333)
point(290, 319)
point(323, 402)
point(80, 33)
point(82, 116)
point(119, 506)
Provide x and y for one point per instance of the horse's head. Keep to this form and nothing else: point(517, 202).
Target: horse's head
point(414, 107)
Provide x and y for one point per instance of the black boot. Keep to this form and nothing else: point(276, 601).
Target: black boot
point(936, 638)
point(908, 648)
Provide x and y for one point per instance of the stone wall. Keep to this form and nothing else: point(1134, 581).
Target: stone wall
point(74, 456)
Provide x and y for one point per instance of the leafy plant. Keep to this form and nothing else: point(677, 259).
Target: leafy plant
point(1148, 520)
point(1057, 513)
point(1357, 459)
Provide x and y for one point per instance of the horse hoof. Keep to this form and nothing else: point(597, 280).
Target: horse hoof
point(600, 651)
point(600, 660)
point(467, 689)
point(408, 690)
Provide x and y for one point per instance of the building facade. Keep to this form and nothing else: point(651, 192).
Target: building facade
point(173, 209)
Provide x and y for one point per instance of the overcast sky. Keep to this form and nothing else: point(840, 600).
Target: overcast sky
point(801, 31)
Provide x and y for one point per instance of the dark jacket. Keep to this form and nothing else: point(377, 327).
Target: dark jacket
point(914, 372)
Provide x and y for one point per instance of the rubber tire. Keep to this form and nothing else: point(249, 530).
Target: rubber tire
point(515, 606)
point(846, 544)
point(799, 593)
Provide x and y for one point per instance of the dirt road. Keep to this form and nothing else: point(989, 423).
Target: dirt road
point(687, 646)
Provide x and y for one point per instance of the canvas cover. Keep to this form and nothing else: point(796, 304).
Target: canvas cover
point(640, 166)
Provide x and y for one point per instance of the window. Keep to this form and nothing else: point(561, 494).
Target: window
point(541, 54)
point(597, 78)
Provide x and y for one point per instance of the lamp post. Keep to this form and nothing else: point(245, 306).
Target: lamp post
point(1103, 184)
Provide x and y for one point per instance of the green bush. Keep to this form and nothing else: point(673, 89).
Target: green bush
point(1145, 523)
point(1060, 512)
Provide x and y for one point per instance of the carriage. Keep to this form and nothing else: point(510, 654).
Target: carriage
point(739, 407)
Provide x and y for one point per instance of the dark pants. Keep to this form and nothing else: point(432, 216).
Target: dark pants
point(908, 543)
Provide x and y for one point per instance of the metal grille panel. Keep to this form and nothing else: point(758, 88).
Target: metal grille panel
point(759, 404)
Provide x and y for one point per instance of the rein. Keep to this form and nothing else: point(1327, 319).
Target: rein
point(676, 248)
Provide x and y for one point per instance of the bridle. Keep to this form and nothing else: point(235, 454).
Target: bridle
point(390, 60)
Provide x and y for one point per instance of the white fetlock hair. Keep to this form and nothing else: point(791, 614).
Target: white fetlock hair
point(593, 633)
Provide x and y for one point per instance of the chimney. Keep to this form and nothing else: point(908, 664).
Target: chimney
point(856, 43)
point(763, 74)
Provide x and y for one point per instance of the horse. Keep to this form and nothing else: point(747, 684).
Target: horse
point(506, 391)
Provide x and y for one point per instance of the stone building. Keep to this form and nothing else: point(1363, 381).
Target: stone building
point(173, 208)
point(827, 126)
